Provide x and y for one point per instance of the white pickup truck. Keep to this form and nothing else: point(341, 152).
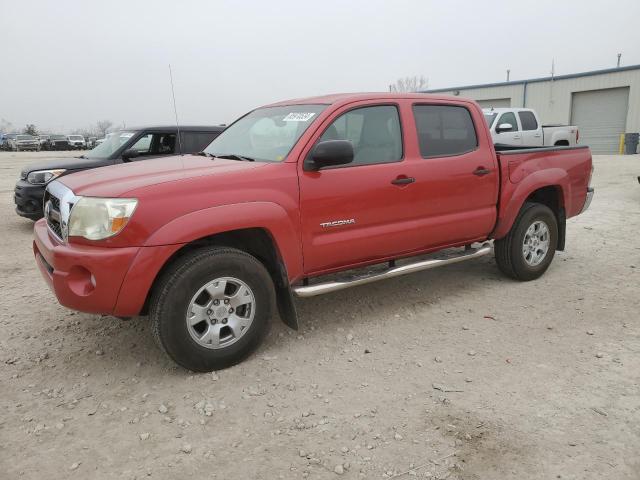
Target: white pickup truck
point(522, 127)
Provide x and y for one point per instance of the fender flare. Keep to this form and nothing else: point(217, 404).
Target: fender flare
point(516, 195)
point(210, 221)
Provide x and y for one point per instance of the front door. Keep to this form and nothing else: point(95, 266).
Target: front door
point(511, 136)
point(357, 212)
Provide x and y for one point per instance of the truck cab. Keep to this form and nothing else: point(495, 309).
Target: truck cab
point(522, 127)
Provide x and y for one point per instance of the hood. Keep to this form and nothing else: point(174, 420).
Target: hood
point(73, 163)
point(117, 180)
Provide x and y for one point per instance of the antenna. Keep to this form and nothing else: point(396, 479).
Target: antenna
point(175, 110)
point(618, 65)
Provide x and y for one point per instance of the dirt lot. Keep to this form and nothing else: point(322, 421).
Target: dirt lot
point(451, 373)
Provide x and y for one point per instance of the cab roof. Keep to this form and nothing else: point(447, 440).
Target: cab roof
point(342, 98)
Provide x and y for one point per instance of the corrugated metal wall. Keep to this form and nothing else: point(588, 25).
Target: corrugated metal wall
point(552, 99)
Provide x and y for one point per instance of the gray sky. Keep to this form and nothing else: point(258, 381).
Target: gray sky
point(67, 64)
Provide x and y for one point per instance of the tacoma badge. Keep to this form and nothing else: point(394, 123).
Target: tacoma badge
point(338, 223)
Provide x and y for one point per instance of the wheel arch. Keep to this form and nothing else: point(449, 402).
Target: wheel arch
point(550, 188)
point(256, 241)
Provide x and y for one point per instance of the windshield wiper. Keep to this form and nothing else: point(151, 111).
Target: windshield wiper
point(204, 154)
point(233, 156)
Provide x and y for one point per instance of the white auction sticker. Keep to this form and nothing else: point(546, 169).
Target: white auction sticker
point(298, 117)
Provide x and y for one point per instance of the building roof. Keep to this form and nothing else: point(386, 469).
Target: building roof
point(534, 80)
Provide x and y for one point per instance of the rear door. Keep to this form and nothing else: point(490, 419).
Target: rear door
point(194, 142)
point(455, 171)
point(513, 135)
point(361, 211)
point(531, 129)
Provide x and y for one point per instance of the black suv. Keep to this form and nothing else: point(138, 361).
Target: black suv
point(131, 144)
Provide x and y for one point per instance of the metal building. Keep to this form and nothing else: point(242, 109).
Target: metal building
point(604, 103)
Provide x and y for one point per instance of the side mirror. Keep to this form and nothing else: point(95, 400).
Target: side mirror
point(130, 153)
point(329, 153)
point(504, 127)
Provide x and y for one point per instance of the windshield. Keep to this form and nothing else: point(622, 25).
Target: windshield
point(266, 134)
point(25, 137)
point(58, 137)
point(112, 142)
point(490, 118)
point(76, 137)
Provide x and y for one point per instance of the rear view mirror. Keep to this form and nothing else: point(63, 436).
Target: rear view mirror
point(330, 153)
point(130, 153)
point(504, 127)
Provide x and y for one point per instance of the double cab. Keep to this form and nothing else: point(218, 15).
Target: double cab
point(209, 244)
point(522, 127)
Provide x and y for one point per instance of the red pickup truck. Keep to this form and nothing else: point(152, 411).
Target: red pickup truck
point(208, 244)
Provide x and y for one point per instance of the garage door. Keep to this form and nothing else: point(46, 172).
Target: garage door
point(601, 116)
point(495, 103)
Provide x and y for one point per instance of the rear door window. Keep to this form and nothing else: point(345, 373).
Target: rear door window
point(528, 120)
point(444, 130)
point(193, 142)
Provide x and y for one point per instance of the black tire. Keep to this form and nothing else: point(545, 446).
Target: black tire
point(509, 250)
point(182, 280)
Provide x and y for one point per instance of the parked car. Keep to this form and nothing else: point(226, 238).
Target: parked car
point(22, 142)
point(126, 145)
point(91, 142)
point(57, 142)
point(77, 142)
point(99, 141)
point(7, 139)
point(44, 141)
point(292, 192)
point(522, 127)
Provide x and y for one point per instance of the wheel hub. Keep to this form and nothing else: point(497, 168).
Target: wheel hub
point(220, 312)
point(536, 243)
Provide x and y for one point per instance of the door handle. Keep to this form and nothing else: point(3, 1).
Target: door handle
point(537, 135)
point(516, 137)
point(403, 180)
point(481, 171)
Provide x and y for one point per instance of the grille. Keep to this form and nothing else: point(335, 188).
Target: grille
point(53, 223)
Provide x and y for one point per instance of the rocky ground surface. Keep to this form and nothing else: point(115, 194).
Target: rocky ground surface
point(454, 373)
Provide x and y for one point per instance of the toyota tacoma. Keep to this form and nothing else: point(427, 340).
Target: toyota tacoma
point(209, 245)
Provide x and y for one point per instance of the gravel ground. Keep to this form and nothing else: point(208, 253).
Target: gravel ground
point(453, 373)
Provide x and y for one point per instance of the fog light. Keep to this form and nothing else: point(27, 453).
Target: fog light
point(81, 281)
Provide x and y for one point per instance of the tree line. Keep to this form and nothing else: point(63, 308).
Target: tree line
point(98, 130)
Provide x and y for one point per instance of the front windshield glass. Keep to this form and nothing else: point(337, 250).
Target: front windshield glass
point(58, 137)
point(490, 118)
point(76, 137)
point(112, 142)
point(266, 134)
point(25, 137)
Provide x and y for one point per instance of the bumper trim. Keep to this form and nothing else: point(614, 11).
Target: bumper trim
point(587, 201)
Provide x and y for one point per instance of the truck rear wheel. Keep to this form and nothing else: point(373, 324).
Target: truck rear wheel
point(212, 308)
point(528, 249)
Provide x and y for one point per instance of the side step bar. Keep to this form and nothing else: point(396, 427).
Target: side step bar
point(321, 288)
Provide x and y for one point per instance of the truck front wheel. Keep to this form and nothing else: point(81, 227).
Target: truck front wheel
point(528, 249)
point(212, 308)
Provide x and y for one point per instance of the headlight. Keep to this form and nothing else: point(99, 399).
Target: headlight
point(99, 218)
point(40, 177)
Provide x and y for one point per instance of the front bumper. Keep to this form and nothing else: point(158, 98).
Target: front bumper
point(28, 199)
point(92, 279)
point(587, 201)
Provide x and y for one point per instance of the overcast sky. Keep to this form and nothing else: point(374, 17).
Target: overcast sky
point(67, 64)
